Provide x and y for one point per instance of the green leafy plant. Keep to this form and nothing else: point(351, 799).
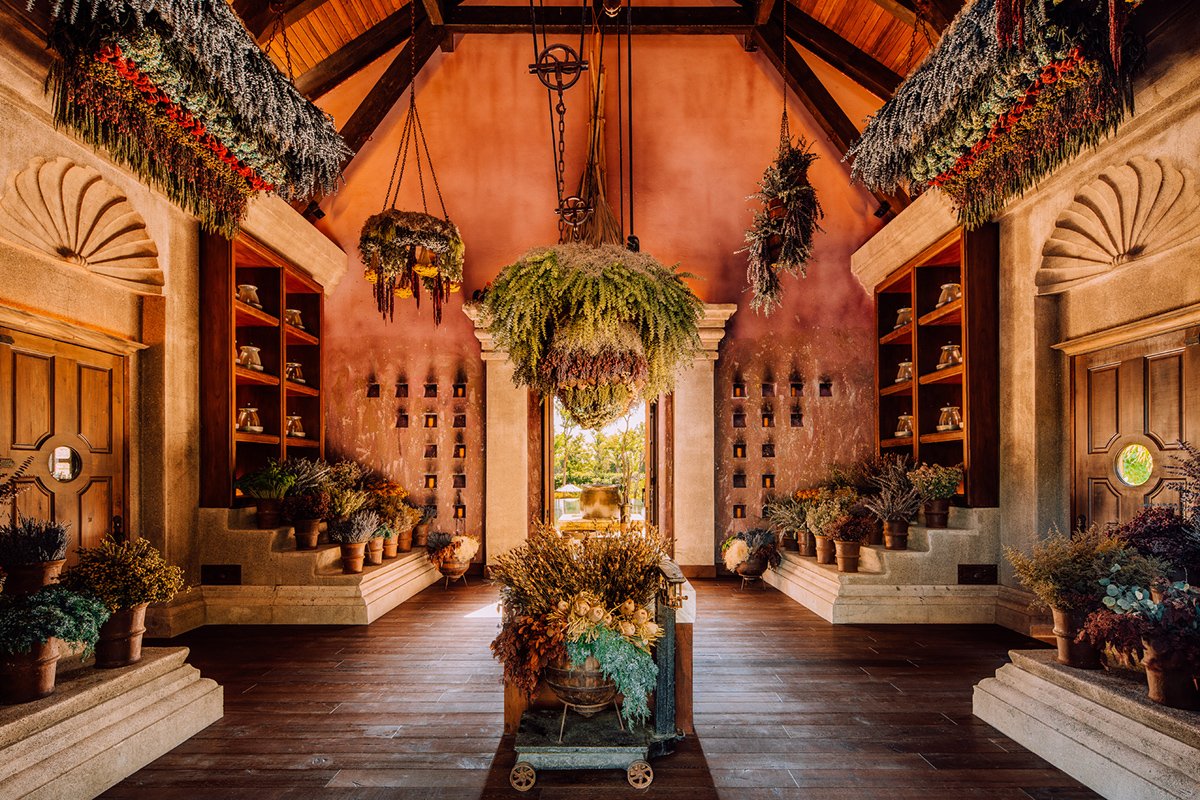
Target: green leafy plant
point(1131, 616)
point(598, 327)
point(124, 574)
point(360, 526)
point(310, 505)
point(1064, 571)
point(826, 511)
point(895, 498)
point(27, 621)
point(272, 482)
point(936, 482)
point(32, 541)
point(781, 238)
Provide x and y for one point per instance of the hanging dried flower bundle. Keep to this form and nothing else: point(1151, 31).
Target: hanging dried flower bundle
point(781, 238)
point(597, 327)
point(182, 94)
point(1012, 90)
point(406, 250)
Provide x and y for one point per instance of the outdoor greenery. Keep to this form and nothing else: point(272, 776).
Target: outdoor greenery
point(598, 327)
point(600, 457)
point(27, 621)
point(124, 574)
point(32, 541)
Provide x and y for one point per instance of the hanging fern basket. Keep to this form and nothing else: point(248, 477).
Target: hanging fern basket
point(407, 251)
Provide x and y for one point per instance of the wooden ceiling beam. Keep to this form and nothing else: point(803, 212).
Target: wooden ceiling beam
point(813, 95)
point(710, 20)
point(844, 56)
point(392, 84)
point(259, 16)
point(356, 54)
point(940, 11)
point(762, 14)
point(433, 8)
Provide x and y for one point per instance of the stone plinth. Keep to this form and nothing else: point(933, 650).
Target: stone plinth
point(1098, 728)
point(101, 726)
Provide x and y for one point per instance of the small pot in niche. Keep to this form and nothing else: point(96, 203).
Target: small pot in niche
point(847, 555)
point(1081, 655)
point(28, 578)
point(374, 553)
point(421, 535)
point(808, 544)
point(352, 557)
point(825, 550)
point(266, 515)
point(308, 531)
point(120, 641)
point(895, 534)
point(937, 513)
point(25, 677)
point(404, 541)
point(1170, 681)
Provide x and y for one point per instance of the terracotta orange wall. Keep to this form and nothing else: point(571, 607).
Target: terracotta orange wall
point(706, 124)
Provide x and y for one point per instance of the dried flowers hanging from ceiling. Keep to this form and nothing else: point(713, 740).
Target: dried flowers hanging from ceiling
point(182, 94)
point(1001, 102)
point(597, 327)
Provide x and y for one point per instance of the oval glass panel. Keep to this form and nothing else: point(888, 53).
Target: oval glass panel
point(1135, 464)
point(64, 464)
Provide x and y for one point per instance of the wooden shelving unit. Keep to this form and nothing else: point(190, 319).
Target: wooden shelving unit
point(226, 386)
point(970, 258)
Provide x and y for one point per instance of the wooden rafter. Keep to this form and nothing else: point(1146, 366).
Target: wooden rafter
point(566, 19)
point(813, 95)
point(259, 15)
point(392, 84)
point(762, 13)
point(844, 56)
point(356, 54)
point(433, 8)
point(940, 11)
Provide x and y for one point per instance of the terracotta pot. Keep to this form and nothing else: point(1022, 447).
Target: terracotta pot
point(28, 578)
point(792, 542)
point(421, 535)
point(453, 570)
point(876, 537)
point(847, 555)
point(752, 568)
point(808, 544)
point(404, 541)
point(586, 688)
point(1170, 680)
point(28, 676)
point(268, 512)
point(1081, 655)
point(121, 638)
point(825, 550)
point(374, 552)
point(308, 531)
point(389, 547)
point(895, 534)
point(352, 557)
point(937, 513)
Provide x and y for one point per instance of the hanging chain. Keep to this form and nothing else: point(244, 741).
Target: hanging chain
point(922, 23)
point(785, 132)
point(279, 31)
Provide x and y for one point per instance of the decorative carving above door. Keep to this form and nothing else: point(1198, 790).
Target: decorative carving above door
point(71, 213)
point(1131, 211)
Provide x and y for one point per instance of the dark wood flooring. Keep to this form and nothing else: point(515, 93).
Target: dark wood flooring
point(787, 706)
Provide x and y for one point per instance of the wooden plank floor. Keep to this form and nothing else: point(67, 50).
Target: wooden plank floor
point(787, 706)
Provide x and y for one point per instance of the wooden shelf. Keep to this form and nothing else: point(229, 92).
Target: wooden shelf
point(295, 335)
point(293, 441)
point(942, 436)
point(900, 283)
point(296, 283)
point(948, 375)
point(302, 389)
point(949, 314)
point(255, 438)
point(897, 389)
point(901, 335)
point(903, 441)
point(247, 316)
point(243, 376)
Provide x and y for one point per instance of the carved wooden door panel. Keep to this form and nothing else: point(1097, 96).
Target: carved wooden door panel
point(1133, 404)
point(64, 405)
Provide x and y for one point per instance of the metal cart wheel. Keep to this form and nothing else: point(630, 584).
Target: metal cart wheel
point(639, 774)
point(522, 777)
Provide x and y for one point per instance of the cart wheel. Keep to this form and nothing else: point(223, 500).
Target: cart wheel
point(639, 774)
point(522, 777)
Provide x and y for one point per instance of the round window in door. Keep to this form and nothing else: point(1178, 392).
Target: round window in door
point(1135, 464)
point(65, 464)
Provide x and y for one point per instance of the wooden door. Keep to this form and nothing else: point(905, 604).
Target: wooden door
point(64, 406)
point(1133, 405)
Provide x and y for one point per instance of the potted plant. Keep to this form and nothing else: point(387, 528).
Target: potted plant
point(895, 502)
point(267, 486)
point(30, 624)
point(452, 554)
point(936, 485)
point(421, 529)
point(848, 537)
point(375, 545)
point(406, 519)
point(749, 553)
point(32, 553)
point(343, 502)
point(352, 534)
point(825, 513)
point(387, 500)
point(305, 512)
point(390, 541)
point(127, 577)
point(1064, 573)
point(1161, 532)
point(785, 516)
point(1164, 632)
